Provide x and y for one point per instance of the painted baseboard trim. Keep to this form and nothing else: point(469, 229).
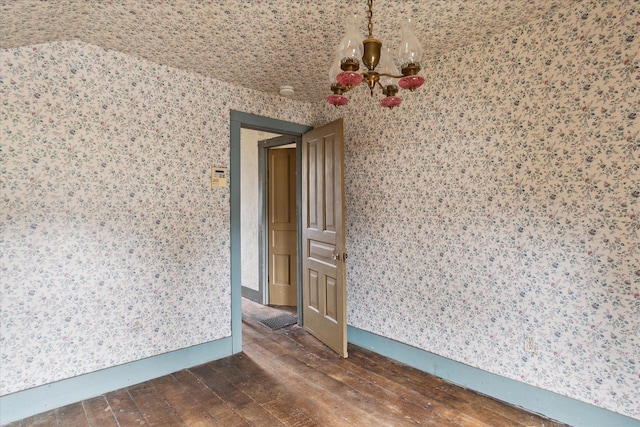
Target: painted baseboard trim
point(252, 294)
point(26, 403)
point(547, 403)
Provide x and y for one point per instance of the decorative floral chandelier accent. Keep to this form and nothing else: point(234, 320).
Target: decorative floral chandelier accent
point(352, 49)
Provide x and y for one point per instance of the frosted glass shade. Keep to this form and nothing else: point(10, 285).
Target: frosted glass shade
point(387, 66)
point(410, 50)
point(350, 47)
point(334, 71)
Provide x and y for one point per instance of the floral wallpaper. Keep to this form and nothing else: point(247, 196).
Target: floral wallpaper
point(259, 44)
point(497, 203)
point(501, 202)
point(113, 245)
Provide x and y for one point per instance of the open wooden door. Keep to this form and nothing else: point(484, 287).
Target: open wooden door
point(283, 260)
point(323, 239)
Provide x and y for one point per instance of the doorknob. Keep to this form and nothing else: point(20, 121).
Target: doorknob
point(341, 257)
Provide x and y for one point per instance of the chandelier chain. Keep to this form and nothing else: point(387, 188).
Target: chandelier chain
point(370, 18)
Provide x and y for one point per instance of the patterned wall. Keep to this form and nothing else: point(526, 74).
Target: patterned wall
point(501, 202)
point(114, 247)
point(497, 203)
point(249, 42)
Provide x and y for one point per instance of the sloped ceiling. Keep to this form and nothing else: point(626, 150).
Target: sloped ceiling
point(259, 44)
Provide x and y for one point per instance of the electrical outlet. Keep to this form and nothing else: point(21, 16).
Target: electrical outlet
point(137, 326)
point(530, 345)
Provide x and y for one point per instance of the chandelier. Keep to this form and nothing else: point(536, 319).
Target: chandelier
point(381, 70)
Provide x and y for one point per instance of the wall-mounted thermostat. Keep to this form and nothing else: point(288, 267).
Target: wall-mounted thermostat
point(218, 177)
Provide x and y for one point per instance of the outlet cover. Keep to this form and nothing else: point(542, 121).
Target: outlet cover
point(530, 345)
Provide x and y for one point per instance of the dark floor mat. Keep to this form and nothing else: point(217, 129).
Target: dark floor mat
point(279, 321)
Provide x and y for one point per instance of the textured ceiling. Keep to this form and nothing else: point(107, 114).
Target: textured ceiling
point(259, 44)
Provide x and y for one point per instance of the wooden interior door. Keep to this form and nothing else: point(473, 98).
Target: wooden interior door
point(283, 260)
point(323, 239)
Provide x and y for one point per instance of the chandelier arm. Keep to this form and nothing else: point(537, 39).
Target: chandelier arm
point(392, 76)
point(347, 89)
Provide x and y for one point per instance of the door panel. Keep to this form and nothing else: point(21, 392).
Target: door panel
point(323, 263)
point(329, 183)
point(332, 299)
point(281, 171)
point(312, 185)
point(313, 292)
point(282, 257)
point(321, 252)
point(281, 270)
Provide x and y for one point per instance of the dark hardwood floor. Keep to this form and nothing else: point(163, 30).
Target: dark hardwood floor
point(287, 378)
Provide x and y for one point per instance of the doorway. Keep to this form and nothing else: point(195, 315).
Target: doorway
point(279, 220)
point(319, 222)
point(268, 217)
point(241, 121)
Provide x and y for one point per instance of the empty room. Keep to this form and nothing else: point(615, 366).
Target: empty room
point(443, 195)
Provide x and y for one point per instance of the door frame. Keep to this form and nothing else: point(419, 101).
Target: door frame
point(239, 120)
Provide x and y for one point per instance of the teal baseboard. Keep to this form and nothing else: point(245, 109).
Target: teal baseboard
point(26, 403)
point(252, 295)
point(547, 403)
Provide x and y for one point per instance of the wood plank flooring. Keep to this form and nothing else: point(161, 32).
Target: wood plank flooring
point(287, 378)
